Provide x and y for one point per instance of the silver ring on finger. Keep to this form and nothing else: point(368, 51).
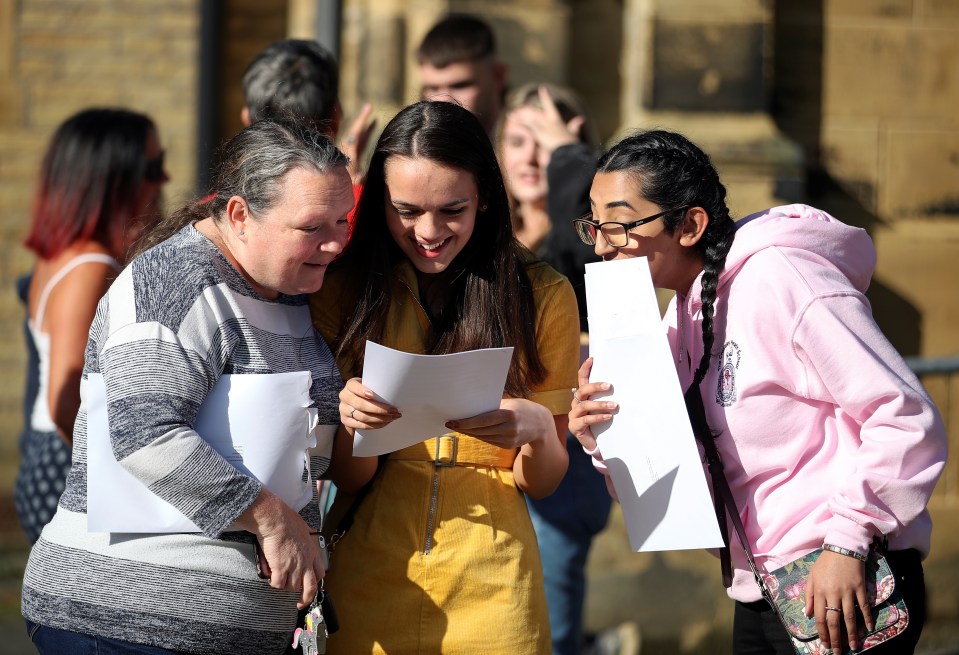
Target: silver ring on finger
point(350, 415)
point(575, 397)
point(833, 609)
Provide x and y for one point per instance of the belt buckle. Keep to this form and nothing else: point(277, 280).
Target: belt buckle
point(438, 459)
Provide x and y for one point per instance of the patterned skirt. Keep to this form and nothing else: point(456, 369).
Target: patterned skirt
point(45, 460)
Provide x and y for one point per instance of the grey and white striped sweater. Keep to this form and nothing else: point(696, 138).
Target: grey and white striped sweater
point(177, 318)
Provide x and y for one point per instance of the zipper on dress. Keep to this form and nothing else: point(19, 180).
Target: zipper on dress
point(434, 494)
point(431, 517)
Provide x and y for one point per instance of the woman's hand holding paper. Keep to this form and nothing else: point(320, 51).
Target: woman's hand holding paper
point(516, 423)
point(583, 412)
point(359, 409)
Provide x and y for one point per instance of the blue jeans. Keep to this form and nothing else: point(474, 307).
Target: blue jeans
point(565, 525)
point(53, 641)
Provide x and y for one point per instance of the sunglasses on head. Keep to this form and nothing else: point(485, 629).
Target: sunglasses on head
point(153, 172)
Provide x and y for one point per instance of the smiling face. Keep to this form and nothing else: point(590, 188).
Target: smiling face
point(673, 261)
point(524, 162)
point(288, 248)
point(430, 210)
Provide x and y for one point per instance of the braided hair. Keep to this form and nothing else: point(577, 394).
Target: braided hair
point(672, 171)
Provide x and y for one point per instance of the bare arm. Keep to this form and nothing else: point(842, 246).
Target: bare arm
point(354, 142)
point(69, 313)
point(540, 468)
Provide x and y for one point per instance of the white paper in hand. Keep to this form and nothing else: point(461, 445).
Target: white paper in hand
point(260, 424)
point(649, 447)
point(429, 390)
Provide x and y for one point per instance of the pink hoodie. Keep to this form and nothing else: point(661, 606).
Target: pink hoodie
point(825, 433)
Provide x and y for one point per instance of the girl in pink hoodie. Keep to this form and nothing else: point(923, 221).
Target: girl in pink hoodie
point(825, 434)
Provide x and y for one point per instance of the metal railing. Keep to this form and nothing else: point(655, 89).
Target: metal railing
point(938, 375)
point(921, 366)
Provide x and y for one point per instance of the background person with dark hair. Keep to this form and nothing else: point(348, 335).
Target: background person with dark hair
point(457, 63)
point(299, 78)
point(441, 555)
point(99, 186)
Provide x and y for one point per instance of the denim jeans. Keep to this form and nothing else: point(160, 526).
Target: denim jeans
point(565, 524)
point(53, 641)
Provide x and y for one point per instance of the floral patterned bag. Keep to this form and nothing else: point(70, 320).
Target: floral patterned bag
point(785, 589)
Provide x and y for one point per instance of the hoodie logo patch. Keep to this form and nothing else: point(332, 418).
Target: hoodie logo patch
point(728, 363)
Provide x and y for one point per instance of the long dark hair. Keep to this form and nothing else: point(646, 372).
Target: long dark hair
point(489, 300)
point(90, 181)
point(251, 165)
point(672, 171)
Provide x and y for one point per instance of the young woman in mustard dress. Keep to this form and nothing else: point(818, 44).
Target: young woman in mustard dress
point(441, 555)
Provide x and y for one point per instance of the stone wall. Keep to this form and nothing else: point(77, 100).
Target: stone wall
point(247, 26)
point(869, 88)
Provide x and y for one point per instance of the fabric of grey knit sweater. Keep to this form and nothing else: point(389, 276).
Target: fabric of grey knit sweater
point(178, 317)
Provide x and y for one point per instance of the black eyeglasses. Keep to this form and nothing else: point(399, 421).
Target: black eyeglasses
point(153, 171)
point(615, 233)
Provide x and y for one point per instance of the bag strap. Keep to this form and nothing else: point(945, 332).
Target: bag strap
point(723, 500)
point(346, 521)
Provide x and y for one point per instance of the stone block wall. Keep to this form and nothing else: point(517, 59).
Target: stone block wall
point(379, 40)
point(60, 56)
point(892, 79)
point(870, 87)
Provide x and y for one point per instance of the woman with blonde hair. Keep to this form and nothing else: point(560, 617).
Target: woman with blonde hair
point(547, 147)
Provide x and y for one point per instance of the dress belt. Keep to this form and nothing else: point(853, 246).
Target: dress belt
point(456, 449)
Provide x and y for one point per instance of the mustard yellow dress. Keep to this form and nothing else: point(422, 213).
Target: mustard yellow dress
point(442, 557)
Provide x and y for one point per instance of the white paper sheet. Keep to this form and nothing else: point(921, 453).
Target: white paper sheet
point(429, 390)
point(261, 424)
point(649, 445)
